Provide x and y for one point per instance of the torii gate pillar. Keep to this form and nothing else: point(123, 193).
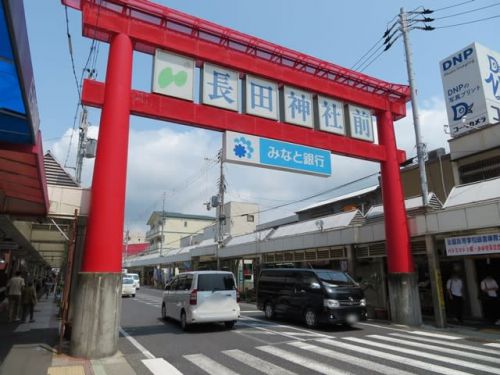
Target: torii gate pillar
point(98, 301)
point(402, 280)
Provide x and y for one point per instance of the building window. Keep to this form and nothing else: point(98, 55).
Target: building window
point(185, 224)
point(250, 218)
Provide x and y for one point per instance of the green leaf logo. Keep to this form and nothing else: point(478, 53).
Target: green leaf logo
point(167, 77)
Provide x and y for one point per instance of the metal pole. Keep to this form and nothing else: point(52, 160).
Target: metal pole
point(220, 212)
point(162, 223)
point(414, 105)
point(81, 145)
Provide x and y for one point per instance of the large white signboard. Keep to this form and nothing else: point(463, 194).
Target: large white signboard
point(473, 245)
point(220, 87)
point(471, 83)
point(173, 75)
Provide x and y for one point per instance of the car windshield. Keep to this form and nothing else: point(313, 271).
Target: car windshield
point(128, 281)
point(215, 281)
point(335, 278)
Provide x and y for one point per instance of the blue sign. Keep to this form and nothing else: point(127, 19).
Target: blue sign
point(265, 152)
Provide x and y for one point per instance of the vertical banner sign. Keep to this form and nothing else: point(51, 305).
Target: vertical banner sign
point(173, 75)
point(471, 83)
point(269, 153)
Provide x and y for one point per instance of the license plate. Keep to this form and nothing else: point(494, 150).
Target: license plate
point(351, 318)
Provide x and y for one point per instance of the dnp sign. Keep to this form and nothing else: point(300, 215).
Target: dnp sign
point(471, 83)
point(269, 153)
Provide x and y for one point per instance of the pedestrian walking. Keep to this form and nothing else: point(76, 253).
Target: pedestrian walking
point(29, 301)
point(455, 287)
point(45, 288)
point(15, 286)
point(491, 302)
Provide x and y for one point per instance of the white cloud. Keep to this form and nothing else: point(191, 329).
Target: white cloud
point(432, 120)
point(172, 159)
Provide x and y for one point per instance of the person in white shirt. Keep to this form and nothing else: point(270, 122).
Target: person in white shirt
point(489, 288)
point(15, 287)
point(455, 287)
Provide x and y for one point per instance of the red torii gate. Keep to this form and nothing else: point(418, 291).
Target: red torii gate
point(144, 26)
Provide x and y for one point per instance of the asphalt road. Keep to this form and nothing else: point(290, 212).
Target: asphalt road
point(257, 346)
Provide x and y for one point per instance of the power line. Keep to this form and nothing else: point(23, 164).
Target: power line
point(453, 6)
point(361, 69)
point(468, 11)
point(468, 22)
point(366, 53)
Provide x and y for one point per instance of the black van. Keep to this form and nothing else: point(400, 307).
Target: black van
point(315, 296)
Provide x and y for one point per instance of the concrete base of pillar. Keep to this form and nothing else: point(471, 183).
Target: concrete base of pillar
point(96, 316)
point(404, 299)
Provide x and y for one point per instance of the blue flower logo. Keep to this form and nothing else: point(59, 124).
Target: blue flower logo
point(243, 148)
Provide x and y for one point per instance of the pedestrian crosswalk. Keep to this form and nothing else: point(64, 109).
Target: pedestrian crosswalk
point(394, 353)
point(148, 300)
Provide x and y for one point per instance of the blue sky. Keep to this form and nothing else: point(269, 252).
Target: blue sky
point(336, 31)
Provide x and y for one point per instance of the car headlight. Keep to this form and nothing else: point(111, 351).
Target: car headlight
point(362, 302)
point(331, 303)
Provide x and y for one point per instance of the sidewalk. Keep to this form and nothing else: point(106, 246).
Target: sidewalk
point(31, 349)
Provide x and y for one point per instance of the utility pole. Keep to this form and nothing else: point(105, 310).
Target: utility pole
point(82, 140)
point(162, 224)
point(403, 18)
point(86, 146)
point(220, 209)
point(126, 243)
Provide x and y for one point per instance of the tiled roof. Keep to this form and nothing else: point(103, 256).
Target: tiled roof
point(55, 173)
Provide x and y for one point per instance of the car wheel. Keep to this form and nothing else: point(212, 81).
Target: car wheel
point(184, 323)
point(133, 295)
point(269, 311)
point(163, 312)
point(311, 318)
point(230, 324)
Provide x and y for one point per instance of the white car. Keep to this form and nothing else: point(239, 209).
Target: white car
point(128, 288)
point(202, 297)
point(137, 282)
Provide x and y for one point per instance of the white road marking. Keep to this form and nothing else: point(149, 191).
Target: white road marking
point(302, 361)
point(284, 326)
point(448, 343)
point(158, 366)
point(430, 334)
point(459, 353)
point(493, 344)
point(393, 357)
point(352, 360)
point(270, 331)
point(250, 311)
point(209, 365)
point(136, 343)
point(382, 326)
point(257, 363)
point(435, 357)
